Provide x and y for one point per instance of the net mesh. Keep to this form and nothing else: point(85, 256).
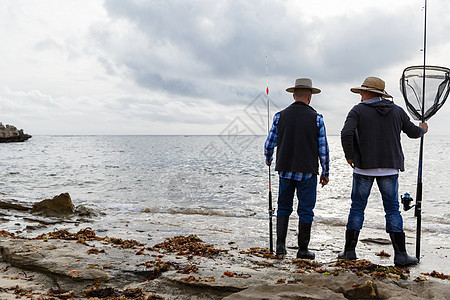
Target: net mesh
point(437, 87)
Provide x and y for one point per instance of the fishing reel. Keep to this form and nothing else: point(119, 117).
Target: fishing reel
point(406, 201)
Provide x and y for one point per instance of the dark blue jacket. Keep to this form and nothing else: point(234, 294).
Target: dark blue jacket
point(371, 134)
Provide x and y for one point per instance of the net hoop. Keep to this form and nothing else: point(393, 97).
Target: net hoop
point(437, 81)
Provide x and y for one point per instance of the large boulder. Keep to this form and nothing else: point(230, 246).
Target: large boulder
point(60, 205)
point(9, 134)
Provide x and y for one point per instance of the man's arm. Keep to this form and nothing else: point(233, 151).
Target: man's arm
point(271, 140)
point(324, 152)
point(348, 133)
point(411, 130)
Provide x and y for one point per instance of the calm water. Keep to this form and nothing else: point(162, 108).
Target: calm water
point(152, 187)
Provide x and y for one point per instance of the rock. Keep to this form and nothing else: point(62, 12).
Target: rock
point(344, 286)
point(60, 260)
point(59, 205)
point(9, 134)
point(15, 206)
point(76, 265)
point(353, 286)
point(285, 291)
point(15, 277)
point(84, 211)
point(70, 266)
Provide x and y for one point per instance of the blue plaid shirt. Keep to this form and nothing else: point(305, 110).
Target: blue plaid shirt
point(324, 155)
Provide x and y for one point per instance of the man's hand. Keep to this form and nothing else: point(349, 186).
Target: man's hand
point(324, 180)
point(425, 126)
point(350, 162)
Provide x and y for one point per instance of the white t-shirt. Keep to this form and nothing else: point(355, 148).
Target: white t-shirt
point(376, 172)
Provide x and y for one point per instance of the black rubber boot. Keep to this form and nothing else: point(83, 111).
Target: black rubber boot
point(401, 258)
point(282, 228)
point(351, 239)
point(304, 235)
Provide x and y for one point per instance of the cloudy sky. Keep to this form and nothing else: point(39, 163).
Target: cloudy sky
point(199, 67)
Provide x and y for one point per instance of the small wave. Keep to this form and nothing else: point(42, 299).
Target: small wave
point(330, 221)
point(445, 219)
point(200, 211)
point(123, 207)
point(436, 228)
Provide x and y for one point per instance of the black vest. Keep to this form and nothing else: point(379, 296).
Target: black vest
point(297, 144)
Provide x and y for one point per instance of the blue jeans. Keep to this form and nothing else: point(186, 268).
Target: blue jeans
point(388, 186)
point(306, 194)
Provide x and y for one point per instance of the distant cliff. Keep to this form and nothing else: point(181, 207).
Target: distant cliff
point(10, 134)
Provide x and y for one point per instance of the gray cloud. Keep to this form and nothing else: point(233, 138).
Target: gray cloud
point(228, 41)
point(181, 64)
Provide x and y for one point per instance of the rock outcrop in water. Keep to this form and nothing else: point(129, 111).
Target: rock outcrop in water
point(60, 205)
point(10, 134)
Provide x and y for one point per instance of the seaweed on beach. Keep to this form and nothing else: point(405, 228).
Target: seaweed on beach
point(260, 252)
point(437, 275)
point(192, 278)
point(20, 291)
point(81, 236)
point(281, 281)
point(7, 234)
point(157, 267)
point(98, 292)
point(187, 245)
point(135, 293)
point(95, 251)
point(235, 275)
point(327, 272)
point(87, 234)
point(228, 273)
point(306, 263)
point(59, 294)
point(264, 264)
point(188, 269)
point(365, 267)
point(383, 254)
point(154, 297)
point(127, 244)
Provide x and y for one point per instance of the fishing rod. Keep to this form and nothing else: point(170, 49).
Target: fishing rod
point(270, 180)
point(439, 78)
point(418, 209)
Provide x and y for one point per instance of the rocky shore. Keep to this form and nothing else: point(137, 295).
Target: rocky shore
point(10, 134)
point(81, 264)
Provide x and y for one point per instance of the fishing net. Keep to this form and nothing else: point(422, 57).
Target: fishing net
point(437, 88)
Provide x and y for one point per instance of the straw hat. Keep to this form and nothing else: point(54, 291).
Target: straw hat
point(372, 84)
point(303, 83)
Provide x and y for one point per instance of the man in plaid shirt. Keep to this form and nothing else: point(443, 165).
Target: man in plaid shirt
point(299, 134)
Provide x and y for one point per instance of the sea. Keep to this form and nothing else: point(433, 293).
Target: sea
point(149, 188)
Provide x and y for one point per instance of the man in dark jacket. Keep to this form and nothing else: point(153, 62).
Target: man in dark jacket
point(371, 142)
point(299, 134)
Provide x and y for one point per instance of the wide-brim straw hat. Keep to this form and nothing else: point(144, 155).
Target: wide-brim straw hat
point(303, 83)
point(372, 84)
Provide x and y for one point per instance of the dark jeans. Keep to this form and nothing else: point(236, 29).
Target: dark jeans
point(388, 186)
point(306, 194)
